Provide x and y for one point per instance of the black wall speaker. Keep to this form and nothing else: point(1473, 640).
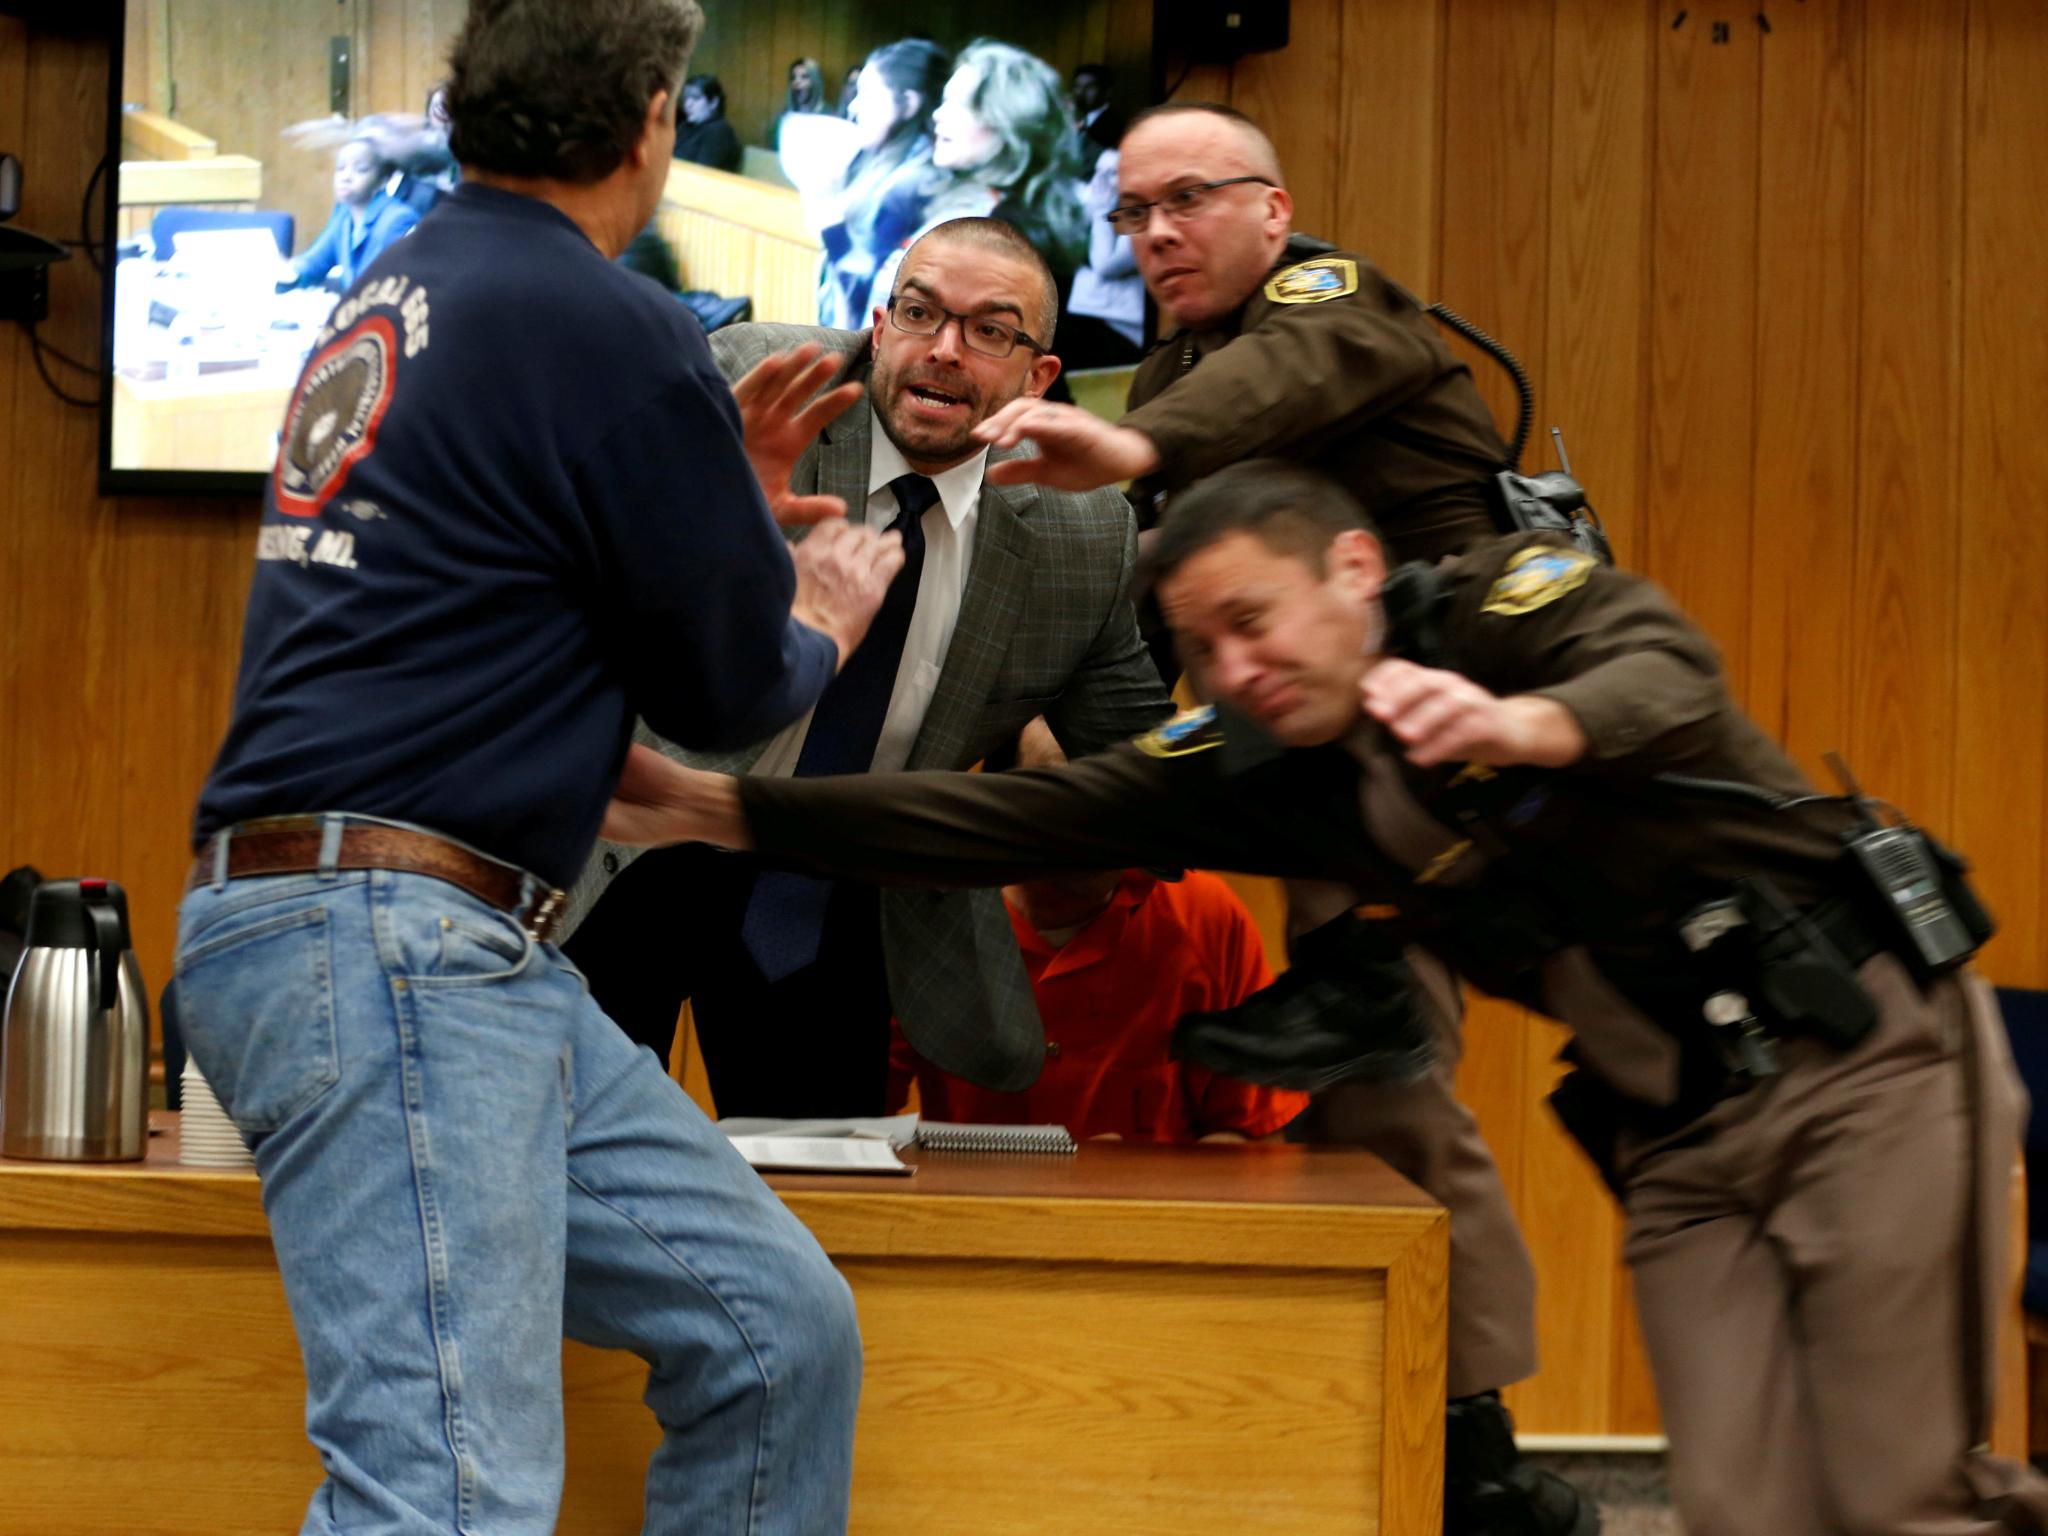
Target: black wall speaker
point(1217, 31)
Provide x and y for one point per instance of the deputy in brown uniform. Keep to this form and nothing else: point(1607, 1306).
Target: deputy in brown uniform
point(1809, 1125)
point(1288, 347)
point(1285, 346)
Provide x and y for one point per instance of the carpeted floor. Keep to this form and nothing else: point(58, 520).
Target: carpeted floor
point(1630, 1488)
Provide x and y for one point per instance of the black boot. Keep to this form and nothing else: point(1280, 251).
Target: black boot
point(1348, 1006)
point(1490, 1491)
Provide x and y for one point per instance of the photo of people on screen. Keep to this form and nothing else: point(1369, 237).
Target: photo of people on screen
point(930, 137)
point(878, 202)
point(366, 219)
point(810, 152)
point(805, 95)
point(704, 137)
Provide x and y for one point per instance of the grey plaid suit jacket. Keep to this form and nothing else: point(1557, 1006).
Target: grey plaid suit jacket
point(1046, 627)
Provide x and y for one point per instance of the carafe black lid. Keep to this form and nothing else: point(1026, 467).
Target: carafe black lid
point(60, 916)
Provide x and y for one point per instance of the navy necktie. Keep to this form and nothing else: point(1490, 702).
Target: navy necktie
point(785, 915)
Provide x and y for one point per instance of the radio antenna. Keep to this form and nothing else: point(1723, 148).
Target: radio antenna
point(1563, 460)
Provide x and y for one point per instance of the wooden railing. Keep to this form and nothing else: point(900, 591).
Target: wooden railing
point(147, 135)
point(169, 164)
point(736, 236)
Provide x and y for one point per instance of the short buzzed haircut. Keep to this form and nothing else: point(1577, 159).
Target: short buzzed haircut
point(1289, 509)
point(559, 89)
point(1005, 239)
point(1265, 158)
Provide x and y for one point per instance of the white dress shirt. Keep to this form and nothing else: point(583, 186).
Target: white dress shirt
point(948, 543)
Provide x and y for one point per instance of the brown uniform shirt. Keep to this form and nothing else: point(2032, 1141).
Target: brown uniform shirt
point(1600, 857)
point(1333, 366)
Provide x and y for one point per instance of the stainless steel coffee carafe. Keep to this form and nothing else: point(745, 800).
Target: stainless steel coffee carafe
point(74, 1048)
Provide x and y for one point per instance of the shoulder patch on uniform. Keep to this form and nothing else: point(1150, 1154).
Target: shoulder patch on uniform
point(1538, 575)
point(1311, 282)
point(1192, 730)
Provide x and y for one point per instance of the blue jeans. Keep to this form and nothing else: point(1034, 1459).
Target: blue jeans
point(463, 1161)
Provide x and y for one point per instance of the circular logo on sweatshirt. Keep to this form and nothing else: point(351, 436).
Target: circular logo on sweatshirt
point(333, 419)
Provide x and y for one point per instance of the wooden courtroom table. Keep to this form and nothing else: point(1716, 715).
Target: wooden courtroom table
point(1137, 1340)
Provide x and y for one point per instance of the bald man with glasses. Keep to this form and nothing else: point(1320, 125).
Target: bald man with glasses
point(1278, 345)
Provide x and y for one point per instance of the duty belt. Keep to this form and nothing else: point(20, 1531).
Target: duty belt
point(291, 845)
point(1837, 919)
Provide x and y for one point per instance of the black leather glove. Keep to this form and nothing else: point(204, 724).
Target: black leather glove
point(1348, 1007)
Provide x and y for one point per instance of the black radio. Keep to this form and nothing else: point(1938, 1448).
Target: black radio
point(1914, 888)
point(1911, 893)
point(1909, 887)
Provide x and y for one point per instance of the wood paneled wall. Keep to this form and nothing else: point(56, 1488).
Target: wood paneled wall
point(1785, 292)
point(119, 620)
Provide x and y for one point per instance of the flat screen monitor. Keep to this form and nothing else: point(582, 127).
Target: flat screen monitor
point(255, 148)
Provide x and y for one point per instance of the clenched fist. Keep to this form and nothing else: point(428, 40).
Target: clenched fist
point(1445, 717)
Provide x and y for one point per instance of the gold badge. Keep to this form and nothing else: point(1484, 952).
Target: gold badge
point(1311, 282)
point(1192, 730)
point(1538, 575)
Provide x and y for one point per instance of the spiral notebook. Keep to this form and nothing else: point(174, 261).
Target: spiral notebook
point(952, 1136)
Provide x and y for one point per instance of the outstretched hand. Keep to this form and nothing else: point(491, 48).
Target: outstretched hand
point(1077, 451)
point(396, 136)
point(779, 418)
point(658, 801)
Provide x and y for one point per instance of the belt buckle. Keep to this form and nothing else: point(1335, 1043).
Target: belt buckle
point(540, 921)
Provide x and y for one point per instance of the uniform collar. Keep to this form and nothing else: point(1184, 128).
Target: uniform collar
point(959, 488)
point(1299, 248)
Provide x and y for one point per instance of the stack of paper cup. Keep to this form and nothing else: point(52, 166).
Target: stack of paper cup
point(207, 1138)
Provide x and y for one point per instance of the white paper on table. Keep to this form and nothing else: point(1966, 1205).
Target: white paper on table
point(897, 1130)
point(820, 1154)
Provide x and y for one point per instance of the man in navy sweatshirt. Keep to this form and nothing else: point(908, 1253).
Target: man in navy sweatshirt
point(514, 506)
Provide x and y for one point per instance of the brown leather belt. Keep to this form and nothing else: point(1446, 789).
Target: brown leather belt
point(290, 845)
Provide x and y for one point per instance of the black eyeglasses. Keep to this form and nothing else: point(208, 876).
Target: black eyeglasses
point(1181, 203)
point(991, 338)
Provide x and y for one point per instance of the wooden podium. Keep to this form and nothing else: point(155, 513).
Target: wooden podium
point(1151, 1341)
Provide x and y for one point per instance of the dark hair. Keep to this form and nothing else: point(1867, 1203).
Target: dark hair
point(1004, 238)
point(1289, 509)
point(709, 88)
point(558, 89)
point(1035, 164)
point(381, 162)
point(816, 72)
point(1099, 71)
point(912, 64)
